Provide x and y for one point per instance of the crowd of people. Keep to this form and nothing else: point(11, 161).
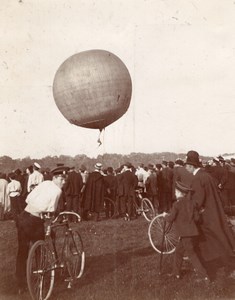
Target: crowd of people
point(193, 194)
point(84, 191)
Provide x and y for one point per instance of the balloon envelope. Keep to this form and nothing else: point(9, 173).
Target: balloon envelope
point(92, 89)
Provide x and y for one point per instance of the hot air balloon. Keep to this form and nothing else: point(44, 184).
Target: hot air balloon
point(92, 89)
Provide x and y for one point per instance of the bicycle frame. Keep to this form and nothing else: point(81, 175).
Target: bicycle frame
point(143, 206)
point(51, 228)
point(138, 198)
point(47, 253)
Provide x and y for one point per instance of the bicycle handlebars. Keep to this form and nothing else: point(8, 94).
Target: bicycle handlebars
point(64, 213)
point(49, 215)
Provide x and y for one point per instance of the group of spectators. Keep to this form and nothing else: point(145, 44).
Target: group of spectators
point(210, 186)
point(84, 192)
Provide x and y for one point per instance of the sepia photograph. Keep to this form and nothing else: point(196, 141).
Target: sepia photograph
point(117, 156)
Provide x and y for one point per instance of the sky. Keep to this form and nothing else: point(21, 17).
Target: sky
point(180, 55)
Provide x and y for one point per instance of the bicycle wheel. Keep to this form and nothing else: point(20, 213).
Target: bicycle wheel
point(162, 235)
point(40, 272)
point(108, 210)
point(74, 255)
point(147, 209)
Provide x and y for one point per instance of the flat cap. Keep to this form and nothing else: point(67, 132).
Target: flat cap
point(60, 171)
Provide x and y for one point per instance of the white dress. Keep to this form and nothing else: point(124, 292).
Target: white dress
point(5, 205)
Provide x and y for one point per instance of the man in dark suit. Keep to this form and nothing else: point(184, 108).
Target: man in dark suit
point(151, 185)
point(110, 181)
point(216, 239)
point(166, 193)
point(120, 205)
point(130, 183)
point(72, 191)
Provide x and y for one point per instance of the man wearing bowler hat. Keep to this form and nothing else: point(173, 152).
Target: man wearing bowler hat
point(216, 239)
point(130, 183)
point(30, 226)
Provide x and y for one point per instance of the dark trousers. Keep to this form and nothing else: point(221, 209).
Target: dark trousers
point(129, 206)
point(16, 206)
point(73, 204)
point(187, 245)
point(166, 201)
point(154, 200)
point(29, 230)
point(109, 208)
point(121, 204)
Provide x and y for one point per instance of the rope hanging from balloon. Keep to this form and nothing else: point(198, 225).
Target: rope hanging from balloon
point(101, 142)
point(99, 137)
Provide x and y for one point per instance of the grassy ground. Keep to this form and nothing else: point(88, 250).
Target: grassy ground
point(120, 264)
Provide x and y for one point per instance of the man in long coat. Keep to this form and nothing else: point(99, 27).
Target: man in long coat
point(216, 239)
point(93, 199)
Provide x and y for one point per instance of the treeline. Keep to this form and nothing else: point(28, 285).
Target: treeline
point(7, 164)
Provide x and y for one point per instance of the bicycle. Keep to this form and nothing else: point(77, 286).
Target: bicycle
point(143, 206)
point(162, 235)
point(57, 252)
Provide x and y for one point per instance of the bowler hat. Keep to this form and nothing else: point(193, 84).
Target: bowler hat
point(179, 162)
point(182, 187)
point(192, 158)
point(128, 165)
point(110, 169)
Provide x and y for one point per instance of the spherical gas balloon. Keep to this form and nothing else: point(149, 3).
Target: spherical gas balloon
point(92, 89)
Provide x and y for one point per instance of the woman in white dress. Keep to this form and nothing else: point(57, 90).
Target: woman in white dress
point(4, 197)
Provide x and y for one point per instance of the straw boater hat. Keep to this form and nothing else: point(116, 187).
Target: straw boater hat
point(98, 166)
point(37, 165)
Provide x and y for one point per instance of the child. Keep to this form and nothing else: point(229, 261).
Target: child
point(182, 215)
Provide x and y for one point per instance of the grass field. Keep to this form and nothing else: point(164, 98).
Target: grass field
point(120, 265)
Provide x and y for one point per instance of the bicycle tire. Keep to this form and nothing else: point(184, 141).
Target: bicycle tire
point(74, 255)
point(108, 210)
point(147, 209)
point(162, 235)
point(40, 271)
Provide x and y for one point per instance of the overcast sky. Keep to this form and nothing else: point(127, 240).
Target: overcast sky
point(180, 55)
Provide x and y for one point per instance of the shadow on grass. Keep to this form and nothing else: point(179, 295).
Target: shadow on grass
point(97, 267)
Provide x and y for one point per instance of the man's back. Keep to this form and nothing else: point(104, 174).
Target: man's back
point(130, 182)
point(74, 184)
point(44, 197)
